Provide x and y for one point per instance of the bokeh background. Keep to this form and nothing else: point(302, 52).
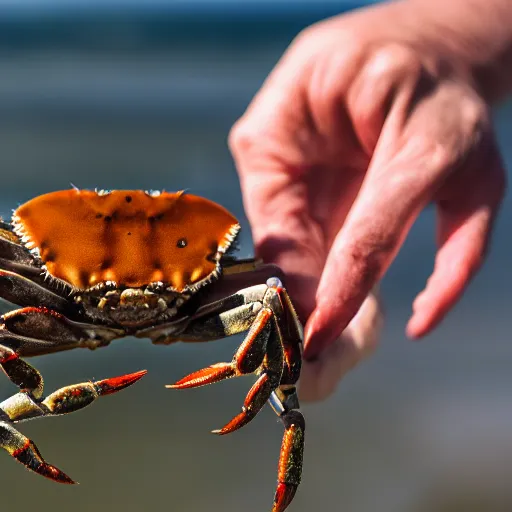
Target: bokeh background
point(128, 94)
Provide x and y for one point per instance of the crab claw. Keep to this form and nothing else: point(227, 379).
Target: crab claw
point(115, 384)
point(210, 375)
point(290, 460)
point(25, 451)
point(254, 401)
point(283, 497)
point(77, 396)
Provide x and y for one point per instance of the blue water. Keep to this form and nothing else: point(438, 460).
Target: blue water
point(421, 427)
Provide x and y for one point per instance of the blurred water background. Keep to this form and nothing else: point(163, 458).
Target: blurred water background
point(120, 94)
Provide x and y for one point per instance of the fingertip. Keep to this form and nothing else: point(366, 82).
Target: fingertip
point(332, 314)
point(416, 328)
point(432, 305)
point(318, 335)
point(418, 324)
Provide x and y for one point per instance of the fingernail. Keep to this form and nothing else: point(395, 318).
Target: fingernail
point(316, 337)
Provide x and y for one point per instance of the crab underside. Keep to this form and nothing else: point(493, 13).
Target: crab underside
point(227, 298)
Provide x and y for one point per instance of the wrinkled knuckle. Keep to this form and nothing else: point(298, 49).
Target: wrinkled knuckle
point(430, 157)
point(394, 61)
point(242, 137)
point(475, 115)
point(442, 156)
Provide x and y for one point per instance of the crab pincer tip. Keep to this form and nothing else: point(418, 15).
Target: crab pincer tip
point(284, 496)
point(31, 458)
point(237, 422)
point(221, 431)
point(56, 475)
point(115, 384)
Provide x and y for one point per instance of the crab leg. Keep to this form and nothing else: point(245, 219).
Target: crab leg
point(247, 358)
point(291, 335)
point(275, 314)
point(22, 374)
point(290, 459)
point(278, 372)
point(34, 331)
point(285, 403)
point(24, 406)
point(25, 451)
point(22, 291)
point(251, 355)
point(260, 353)
point(29, 403)
point(269, 377)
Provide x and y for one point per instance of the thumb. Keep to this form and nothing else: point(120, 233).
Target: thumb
point(319, 378)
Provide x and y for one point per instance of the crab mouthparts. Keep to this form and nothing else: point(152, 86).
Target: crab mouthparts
point(133, 297)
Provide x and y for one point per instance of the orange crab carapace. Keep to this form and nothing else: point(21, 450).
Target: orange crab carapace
point(89, 267)
point(130, 238)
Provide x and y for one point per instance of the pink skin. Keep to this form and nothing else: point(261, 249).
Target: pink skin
point(367, 118)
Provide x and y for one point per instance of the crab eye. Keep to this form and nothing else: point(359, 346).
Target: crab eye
point(182, 242)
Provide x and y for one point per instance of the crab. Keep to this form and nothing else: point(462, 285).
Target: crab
point(88, 267)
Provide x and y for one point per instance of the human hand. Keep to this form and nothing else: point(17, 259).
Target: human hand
point(367, 118)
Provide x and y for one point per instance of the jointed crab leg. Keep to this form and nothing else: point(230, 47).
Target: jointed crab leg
point(270, 375)
point(35, 331)
point(29, 404)
point(26, 452)
point(247, 359)
point(274, 345)
point(22, 374)
point(25, 292)
point(24, 406)
point(262, 351)
point(285, 403)
point(68, 399)
point(290, 459)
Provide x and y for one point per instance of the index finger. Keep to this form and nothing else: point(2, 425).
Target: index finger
point(415, 153)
